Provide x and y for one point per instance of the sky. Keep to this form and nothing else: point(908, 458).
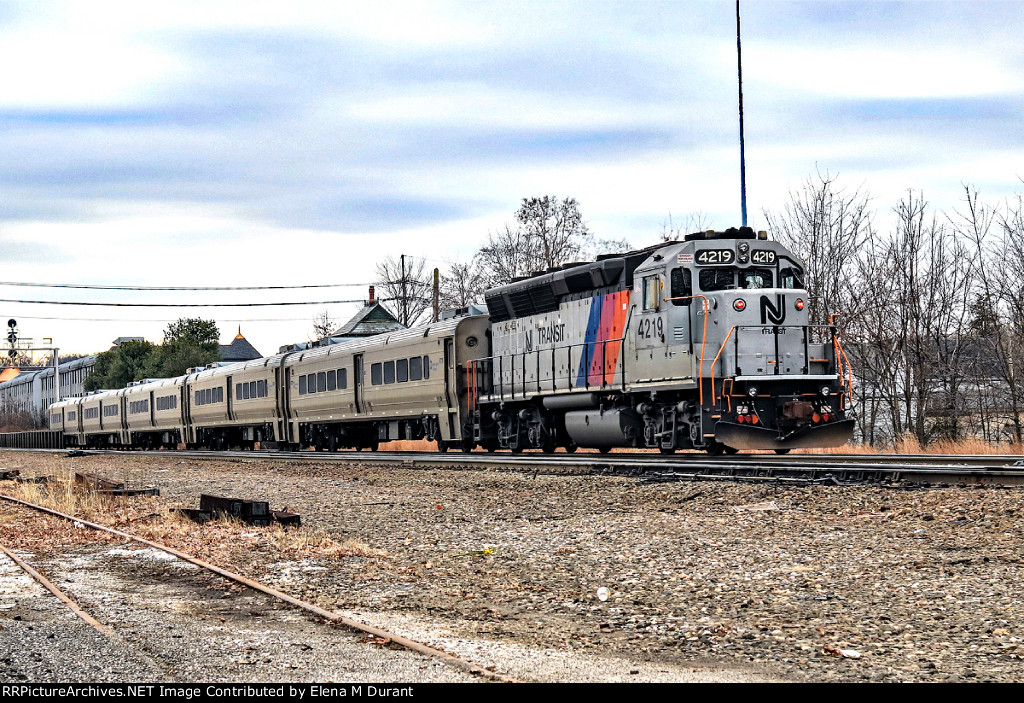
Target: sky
point(259, 144)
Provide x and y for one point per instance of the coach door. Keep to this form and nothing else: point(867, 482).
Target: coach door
point(451, 391)
point(357, 382)
point(230, 397)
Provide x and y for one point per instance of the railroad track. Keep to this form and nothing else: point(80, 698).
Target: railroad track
point(379, 633)
point(836, 469)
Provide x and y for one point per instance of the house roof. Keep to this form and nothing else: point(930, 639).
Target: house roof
point(372, 319)
point(239, 349)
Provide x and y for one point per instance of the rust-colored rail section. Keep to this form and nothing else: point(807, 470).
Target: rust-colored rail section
point(273, 592)
point(75, 608)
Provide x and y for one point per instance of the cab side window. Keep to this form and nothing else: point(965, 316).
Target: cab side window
point(652, 292)
point(790, 278)
point(682, 286)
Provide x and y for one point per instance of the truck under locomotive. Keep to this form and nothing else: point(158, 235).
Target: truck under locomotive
point(702, 344)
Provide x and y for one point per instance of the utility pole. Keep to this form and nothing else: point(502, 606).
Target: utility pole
point(24, 344)
point(405, 297)
point(437, 294)
point(743, 162)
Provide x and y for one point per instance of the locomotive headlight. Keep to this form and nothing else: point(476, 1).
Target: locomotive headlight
point(825, 391)
point(752, 391)
point(799, 303)
point(739, 305)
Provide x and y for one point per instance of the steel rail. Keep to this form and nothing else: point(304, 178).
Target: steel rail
point(63, 597)
point(976, 468)
point(273, 592)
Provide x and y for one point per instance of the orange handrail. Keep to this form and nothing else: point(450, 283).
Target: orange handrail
point(703, 342)
point(720, 350)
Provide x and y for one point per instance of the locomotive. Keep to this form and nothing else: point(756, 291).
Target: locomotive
point(703, 343)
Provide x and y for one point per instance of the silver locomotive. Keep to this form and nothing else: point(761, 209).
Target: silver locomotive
point(703, 343)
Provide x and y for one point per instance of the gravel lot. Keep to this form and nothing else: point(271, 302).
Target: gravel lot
point(706, 580)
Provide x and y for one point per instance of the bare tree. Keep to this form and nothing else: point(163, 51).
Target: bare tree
point(998, 309)
point(461, 284)
point(323, 324)
point(827, 226)
point(506, 256)
point(407, 288)
point(555, 228)
point(672, 230)
point(612, 246)
point(549, 232)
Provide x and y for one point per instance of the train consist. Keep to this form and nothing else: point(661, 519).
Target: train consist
point(699, 344)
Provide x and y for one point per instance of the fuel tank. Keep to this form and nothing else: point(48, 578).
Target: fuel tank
point(616, 427)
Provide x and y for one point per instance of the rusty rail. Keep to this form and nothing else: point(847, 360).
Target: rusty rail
point(75, 608)
point(273, 592)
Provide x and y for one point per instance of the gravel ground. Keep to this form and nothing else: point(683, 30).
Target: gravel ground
point(189, 625)
point(713, 580)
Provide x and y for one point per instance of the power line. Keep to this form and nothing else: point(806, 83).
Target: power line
point(183, 305)
point(158, 319)
point(85, 286)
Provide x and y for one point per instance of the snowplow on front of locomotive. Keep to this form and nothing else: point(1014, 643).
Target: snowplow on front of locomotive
point(768, 378)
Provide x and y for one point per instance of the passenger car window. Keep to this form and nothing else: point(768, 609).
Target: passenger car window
point(389, 372)
point(376, 374)
point(415, 368)
point(426, 366)
point(402, 370)
point(332, 380)
point(321, 382)
point(342, 378)
point(302, 385)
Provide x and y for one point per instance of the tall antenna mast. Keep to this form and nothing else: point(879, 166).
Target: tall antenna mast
point(743, 161)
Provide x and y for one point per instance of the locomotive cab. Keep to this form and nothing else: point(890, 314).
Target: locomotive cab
point(729, 311)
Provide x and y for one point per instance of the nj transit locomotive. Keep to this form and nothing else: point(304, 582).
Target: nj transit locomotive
point(702, 344)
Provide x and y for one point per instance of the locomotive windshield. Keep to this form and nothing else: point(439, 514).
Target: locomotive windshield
point(712, 279)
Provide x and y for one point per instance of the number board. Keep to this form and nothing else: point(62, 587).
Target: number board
point(715, 257)
point(762, 256)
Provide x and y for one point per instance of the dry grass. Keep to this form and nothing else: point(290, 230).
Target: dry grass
point(908, 444)
point(225, 542)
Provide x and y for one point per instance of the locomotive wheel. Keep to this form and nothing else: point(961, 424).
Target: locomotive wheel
point(374, 445)
point(518, 449)
point(442, 446)
point(729, 450)
point(667, 450)
point(714, 448)
point(782, 451)
point(571, 448)
point(604, 450)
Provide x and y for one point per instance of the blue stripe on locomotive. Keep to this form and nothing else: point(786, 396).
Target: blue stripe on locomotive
point(593, 326)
